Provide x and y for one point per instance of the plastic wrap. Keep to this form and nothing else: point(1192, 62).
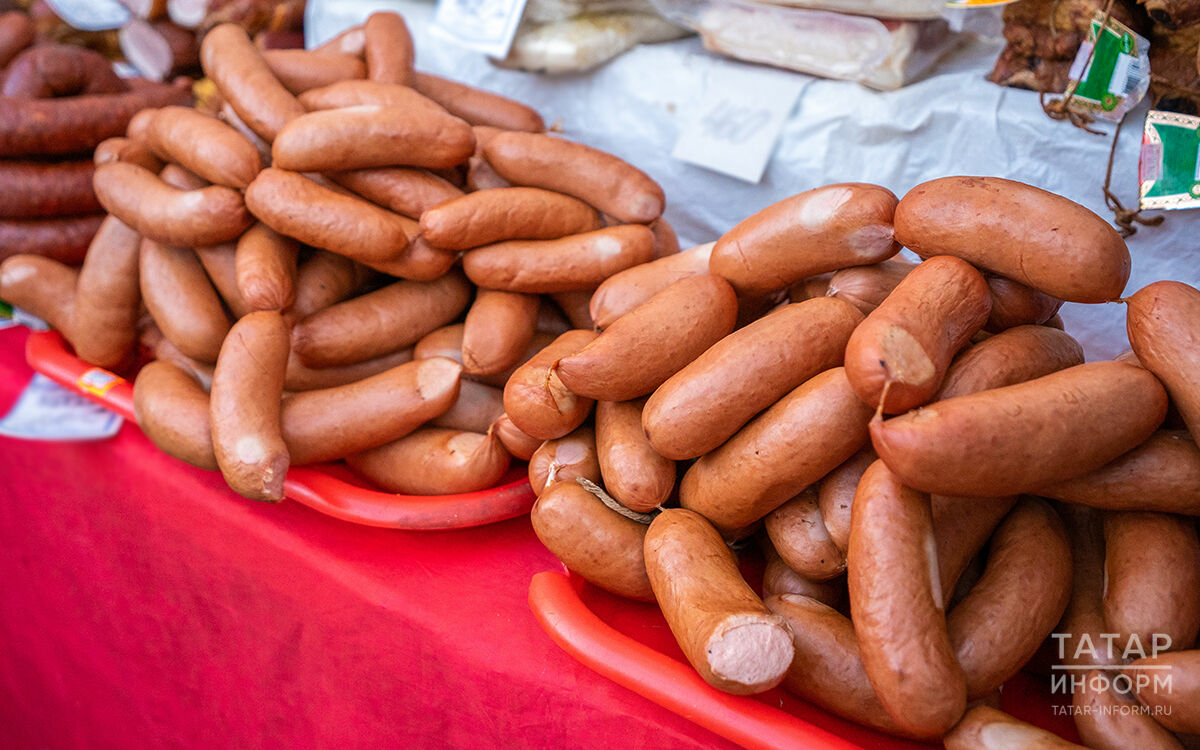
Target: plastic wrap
point(582, 43)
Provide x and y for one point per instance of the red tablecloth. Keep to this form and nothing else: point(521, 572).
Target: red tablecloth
point(145, 605)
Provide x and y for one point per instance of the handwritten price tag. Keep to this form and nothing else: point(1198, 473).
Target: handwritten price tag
point(486, 26)
point(736, 128)
point(47, 411)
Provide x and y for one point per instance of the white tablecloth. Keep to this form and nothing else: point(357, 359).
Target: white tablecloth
point(952, 122)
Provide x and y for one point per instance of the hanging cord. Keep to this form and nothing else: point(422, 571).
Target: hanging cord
point(1059, 109)
point(1125, 218)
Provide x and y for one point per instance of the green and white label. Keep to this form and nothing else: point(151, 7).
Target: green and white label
point(1111, 71)
point(1169, 168)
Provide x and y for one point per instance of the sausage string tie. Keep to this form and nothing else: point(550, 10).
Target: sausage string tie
point(1124, 217)
point(612, 504)
point(1059, 109)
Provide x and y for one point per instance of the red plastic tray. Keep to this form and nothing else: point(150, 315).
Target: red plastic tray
point(329, 488)
point(629, 643)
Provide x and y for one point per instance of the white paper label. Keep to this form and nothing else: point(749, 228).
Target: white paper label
point(91, 15)
point(487, 26)
point(47, 411)
point(735, 130)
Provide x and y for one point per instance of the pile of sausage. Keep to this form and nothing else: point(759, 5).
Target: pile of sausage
point(366, 295)
point(57, 103)
point(937, 480)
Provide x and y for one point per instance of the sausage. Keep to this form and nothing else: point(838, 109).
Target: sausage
point(595, 177)
point(551, 318)
point(835, 496)
point(16, 33)
point(230, 117)
point(1019, 437)
point(536, 400)
point(648, 345)
point(819, 230)
point(184, 218)
point(1178, 708)
point(477, 106)
point(301, 378)
point(592, 540)
point(63, 238)
point(898, 606)
point(30, 189)
point(1079, 640)
point(1162, 474)
point(408, 191)
point(42, 286)
point(801, 438)
point(634, 474)
point(866, 287)
point(1017, 231)
point(158, 49)
point(897, 358)
point(119, 148)
point(182, 179)
point(811, 287)
point(52, 70)
point(323, 280)
point(515, 213)
point(666, 242)
point(266, 268)
point(725, 631)
point(434, 461)
point(300, 70)
point(108, 297)
point(827, 670)
point(574, 306)
point(420, 261)
point(1161, 320)
point(331, 423)
point(986, 728)
point(782, 349)
point(388, 48)
point(1015, 304)
point(297, 207)
point(564, 459)
point(577, 262)
point(476, 410)
point(373, 93)
point(245, 406)
point(961, 527)
point(1012, 356)
point(498, 329)
point(204, 145)
point(799, 536)
point(220, 263)
point(778, 578)
point(76, 124)
point(1024, 590)
point(181, 300)
point(378, 322)
point(371, 136)
point(627, 289)
point(246, 82)
point(447, 342)
point(1152, 578)
point(1106, 721)
point(351, 41)
point(172, 409)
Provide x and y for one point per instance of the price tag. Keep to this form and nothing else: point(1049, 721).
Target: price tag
point(486, 26)
point(91, 15)
point(1169, 167)
point(1111, 70)
point(736, 128)
point(47, 411)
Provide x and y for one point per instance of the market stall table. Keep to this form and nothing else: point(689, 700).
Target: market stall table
point(146, 605)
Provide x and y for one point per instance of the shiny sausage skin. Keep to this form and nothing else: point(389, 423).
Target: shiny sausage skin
point(778, 579)
point(537, 401)
point(108, 297)
point(30, 189)
point(636, 354)
point(962, 527)
point(388, 48)
point(601, 179)
point(724, 629)
point(635, 475)
point(897, 607)
point(434, 461)
point(564, 459)
point(1029, 235)
point(985, 728)
point(331, 423)
point(498, 328)
point(323, 280)
point(593, 541)
point(903, 348)
point(866, 287)
point(119, 148)
point(245, 406)
point(42, 286)
point(477, 408)
point(1177, 709)
point(266, 268)
point(798, 440)
point(300, 70)
point(627, 289)
point(514, 440)
point(246, 82)
point(1015, 304)
point(824, 229)
point(799, 536)
point(1012, 356)
point(783, 349)
point(204, 145)
point(301, 378)
point(53, 70)
point(477, 106)
point(1007, 615)
point(836, 495)
point(1020, 437)
point(172, 409)
point(63, 238)
point(182, 300)
point(1161, 322)
point(517, 213)
point(409, 191)
point(220, 263)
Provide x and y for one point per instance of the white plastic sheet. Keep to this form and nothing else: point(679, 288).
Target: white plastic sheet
point(953, 122)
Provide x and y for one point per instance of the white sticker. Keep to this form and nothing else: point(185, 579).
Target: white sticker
point(47, 411)
point(1120, 76)
point(91, 15)
point(736, 128)
point(487, 26)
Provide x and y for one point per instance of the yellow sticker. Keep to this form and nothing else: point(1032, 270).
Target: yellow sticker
point(99, 381)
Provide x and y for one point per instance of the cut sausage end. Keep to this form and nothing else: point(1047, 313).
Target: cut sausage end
point(751, 650)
